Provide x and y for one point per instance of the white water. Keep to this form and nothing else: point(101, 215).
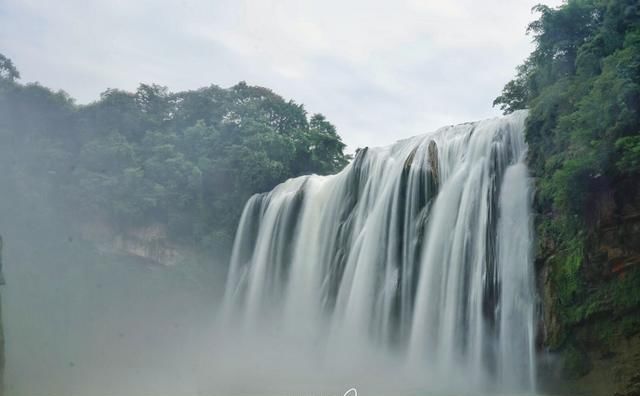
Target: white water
point(411, 268)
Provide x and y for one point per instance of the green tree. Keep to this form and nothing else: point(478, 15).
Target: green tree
point(7, 70)
point(189, 159)
point(581, 85)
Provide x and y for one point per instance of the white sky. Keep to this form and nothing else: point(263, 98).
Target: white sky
point(379, 70)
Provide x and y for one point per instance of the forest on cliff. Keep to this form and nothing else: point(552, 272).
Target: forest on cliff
point(581, 85)
point(187, 160)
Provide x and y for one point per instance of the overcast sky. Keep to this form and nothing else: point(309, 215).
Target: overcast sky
point(379, 70)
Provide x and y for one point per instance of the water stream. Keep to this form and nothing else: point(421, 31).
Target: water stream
point(413, 263)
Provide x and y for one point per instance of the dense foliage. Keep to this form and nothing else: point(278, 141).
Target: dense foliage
point(188, 160)
point(582, 87)
point(582, 84)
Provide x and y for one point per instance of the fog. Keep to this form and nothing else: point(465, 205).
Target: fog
point(118, 219)
point(79, 321)
point(86, 317)
point(82, 322)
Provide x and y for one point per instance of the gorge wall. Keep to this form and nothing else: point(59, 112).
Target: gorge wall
point(581, 84)
point(591, 318)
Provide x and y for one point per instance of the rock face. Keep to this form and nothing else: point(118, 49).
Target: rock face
point(433, 168)
point(433, 161)
point(150, 243)
point(593, 333)
point(614, 219)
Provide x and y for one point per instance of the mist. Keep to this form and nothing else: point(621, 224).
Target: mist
point(82, 320)
point(118, 219)
point(122, 280)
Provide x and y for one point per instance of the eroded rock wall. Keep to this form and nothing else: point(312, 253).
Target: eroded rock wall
point(591, 317)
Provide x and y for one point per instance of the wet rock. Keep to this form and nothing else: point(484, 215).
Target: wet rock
point(433, 161)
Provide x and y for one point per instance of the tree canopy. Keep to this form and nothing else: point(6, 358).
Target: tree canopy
point(582, 86)
point(186, 159)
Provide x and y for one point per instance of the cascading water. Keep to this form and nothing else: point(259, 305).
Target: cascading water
point(420, 251)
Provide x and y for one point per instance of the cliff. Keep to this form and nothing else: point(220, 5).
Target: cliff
point(590, 296)
point(148, 244)
point(581, 85)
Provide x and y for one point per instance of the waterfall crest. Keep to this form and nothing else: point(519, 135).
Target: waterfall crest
point(420, 251)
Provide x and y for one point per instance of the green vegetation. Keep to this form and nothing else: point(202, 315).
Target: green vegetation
point(581, 85)
point(576, 363)
point(188, 160)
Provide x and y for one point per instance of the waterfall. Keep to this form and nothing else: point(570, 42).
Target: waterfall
point(420, 251)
